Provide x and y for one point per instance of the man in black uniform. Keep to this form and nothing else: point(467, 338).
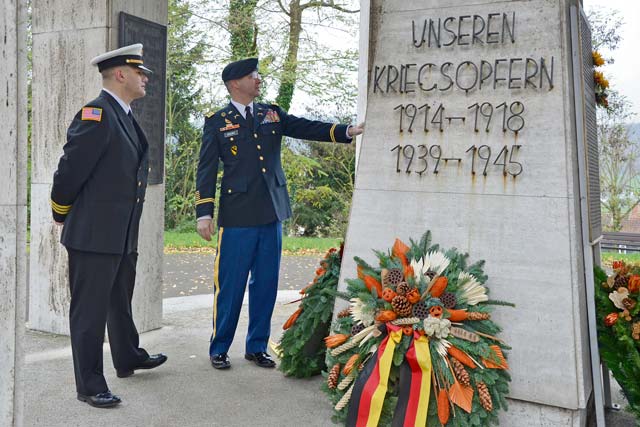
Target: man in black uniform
point(98, 192)
point(246, 137)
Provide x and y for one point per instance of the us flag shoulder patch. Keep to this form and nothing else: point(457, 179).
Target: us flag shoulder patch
point(92, 113)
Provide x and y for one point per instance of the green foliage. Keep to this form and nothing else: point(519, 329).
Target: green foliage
point(184, 102)
point(497, 380)
point(618, 350)
point(243, 29)
point(321, 178)
point(302, 345)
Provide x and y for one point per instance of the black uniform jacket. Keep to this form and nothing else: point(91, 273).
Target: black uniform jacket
point(99, 187)
point(253, 187)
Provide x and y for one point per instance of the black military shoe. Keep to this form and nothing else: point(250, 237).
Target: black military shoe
point(220, 361)
point(152, 362)
point(261, 359)
point(100, 400)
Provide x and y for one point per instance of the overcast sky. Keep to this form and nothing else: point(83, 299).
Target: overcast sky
point(624, 74)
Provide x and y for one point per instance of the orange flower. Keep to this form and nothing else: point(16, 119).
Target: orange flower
point(400, 250)
point(598, 60)
point(386, 316)
point(611, 319)
point(388, 294)
point(292, 319)
point(413, 296)
point(439, 286)
point(348, 367)
point(457, 315)
point(335, 340)
point(407, 330)
point(600, 80)
point(634, 283)
point(618, 264)
point(370, 282)
point(461, 356)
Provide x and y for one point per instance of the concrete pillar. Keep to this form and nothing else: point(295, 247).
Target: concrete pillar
point(13, 206)
point(65, 38)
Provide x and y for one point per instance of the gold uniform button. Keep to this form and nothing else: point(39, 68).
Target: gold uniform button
point(139, 183)
point(259, 148)
point(263, 170)
point(231, 138)
point(255, 135)
point(149, 169)
point(261, 158)
point(138, 200)
point(229, 191)
point(273, 132)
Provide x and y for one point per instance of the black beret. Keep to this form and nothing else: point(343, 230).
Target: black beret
point(239, 69)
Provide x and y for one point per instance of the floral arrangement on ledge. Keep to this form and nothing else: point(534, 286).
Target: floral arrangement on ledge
point(301, 349)
point(417, 345)
point(618, 326)
point(601, 83)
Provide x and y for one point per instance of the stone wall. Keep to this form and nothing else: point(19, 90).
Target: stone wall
point(65, 38)
point(13, 207)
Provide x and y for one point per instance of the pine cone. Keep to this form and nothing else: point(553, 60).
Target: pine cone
point(485, 397)
point(344, 313)
point(420, 310)
point(461, 373)
point(476, 315)
point(332, 379)
point(356, 328)
point(403, 288)
point(628, 303)
point(401, 306)
point(620, 280)
point(448, 299)
point(393, 277)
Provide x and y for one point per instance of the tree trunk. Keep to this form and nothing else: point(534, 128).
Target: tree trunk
point(288, 80)
point(243, 29)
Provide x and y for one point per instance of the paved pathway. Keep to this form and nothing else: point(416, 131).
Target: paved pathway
point(192, 273)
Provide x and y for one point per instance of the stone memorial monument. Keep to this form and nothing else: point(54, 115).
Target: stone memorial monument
point(480, 127)
point(13, 207)
point(65, 38)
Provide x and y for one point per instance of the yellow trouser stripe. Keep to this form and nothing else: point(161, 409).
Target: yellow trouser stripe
point(216, 281)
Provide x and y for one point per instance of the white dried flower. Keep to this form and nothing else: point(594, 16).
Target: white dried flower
point(434, 327)
point(472, 292)
point(617, 296)
point(362, 313)
point(435, 261)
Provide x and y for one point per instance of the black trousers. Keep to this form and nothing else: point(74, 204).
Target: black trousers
point(101, 292)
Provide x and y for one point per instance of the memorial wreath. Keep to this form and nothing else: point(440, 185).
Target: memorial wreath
point(619, 327)
point(417, 345)
point(301, 349)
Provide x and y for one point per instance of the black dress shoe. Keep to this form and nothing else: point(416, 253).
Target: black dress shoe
point(220, 361)
point(152, 362)
point(261, 359)
point(100, 400)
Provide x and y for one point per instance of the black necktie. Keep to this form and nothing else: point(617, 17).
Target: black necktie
point(130, 116)
point(248, 117)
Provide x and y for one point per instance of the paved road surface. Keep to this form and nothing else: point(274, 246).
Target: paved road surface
point(192, 273)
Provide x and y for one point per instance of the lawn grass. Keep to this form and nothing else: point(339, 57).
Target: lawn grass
point(175, 241)
point(630, 258)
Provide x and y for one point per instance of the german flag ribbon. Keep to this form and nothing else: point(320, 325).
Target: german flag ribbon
point(370, 388)
point(414, 385)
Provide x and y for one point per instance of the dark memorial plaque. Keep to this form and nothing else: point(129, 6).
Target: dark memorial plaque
point(150, 110)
